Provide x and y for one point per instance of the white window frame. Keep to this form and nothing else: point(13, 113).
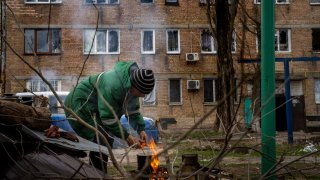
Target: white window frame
point(94, 47)
point(315, 3)
point(153, 51)
point(37, 2)
point(151, 98)
point(167, 42)
point(276, 2)
point(180, 84)
point(317, 91)
point(35, 85)
point(277, 40)
point(213, 93)
point(106, 2)
point(212, 43)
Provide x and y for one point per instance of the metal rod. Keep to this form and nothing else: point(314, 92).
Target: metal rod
point(267, 87)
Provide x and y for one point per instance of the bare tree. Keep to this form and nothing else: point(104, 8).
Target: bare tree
point(221, 18)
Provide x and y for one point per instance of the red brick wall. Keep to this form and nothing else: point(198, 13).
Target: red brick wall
point(72, 16)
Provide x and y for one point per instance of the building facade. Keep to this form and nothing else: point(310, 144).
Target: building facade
point(72, 39)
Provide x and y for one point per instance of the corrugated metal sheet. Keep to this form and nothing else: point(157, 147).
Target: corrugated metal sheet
point(15, 136)
point(29, 154)
point(51, 166)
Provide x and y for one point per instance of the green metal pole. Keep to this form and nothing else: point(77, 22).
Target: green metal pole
point(267, 87)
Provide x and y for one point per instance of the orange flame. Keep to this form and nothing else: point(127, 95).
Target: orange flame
point(154, 157)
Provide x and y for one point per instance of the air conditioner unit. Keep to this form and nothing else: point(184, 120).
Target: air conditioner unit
point(193, 84)
point(192, 57)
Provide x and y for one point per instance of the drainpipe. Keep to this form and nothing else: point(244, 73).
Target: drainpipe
point(268, 148)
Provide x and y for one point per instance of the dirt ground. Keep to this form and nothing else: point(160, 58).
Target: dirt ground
point(244, 167)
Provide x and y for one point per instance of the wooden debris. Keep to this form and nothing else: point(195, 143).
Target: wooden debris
point(36, 118)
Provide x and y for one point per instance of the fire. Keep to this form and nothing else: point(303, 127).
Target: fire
point(154, 157)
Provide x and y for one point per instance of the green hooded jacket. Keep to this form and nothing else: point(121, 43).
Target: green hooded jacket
point(90, 98)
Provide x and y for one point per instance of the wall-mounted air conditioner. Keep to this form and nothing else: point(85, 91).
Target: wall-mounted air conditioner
point(192, 57)
point(193, 84)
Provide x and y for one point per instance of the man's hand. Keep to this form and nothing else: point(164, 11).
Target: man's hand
point(132, 140)
point(143, 139)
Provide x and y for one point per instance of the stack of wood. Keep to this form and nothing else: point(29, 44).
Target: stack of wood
point(36, 118)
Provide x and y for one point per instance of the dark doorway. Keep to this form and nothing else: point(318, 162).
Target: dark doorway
point(281, 121)
point(298, 114)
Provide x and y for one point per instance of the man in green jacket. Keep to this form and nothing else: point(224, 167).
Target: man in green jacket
point(120, 88)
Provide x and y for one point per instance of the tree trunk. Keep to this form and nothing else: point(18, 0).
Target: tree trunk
point(37, 118)
point(225, 81)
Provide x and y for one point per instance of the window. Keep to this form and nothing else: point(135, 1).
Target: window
point(296, 88)
point(282, 1)
point(42, 1)
point(207, 42)
point(209, 94)
point(150, 99)
point(102, 1)
point(173, 41)
point(147, 42)
point(42, 42)
point(175, 91)
point(282, 40)
point(234, 42)
point(317, 90)
point(316, 40)
point(105, 41)
point(172, 2)
point(314, 1)
point(39, 85)
point(146, 1)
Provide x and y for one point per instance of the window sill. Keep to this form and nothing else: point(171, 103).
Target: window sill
point(314, 4)
point(173, 53)
point(149, 105)
point(208, 53)
point(43, 3)
point(316, 51)
point(175, 104)
point(148, 53)
point(210, 103)
point(101, 53)
point(101, 4)
point(42, 54)
point(283, 52)
point(147, 4)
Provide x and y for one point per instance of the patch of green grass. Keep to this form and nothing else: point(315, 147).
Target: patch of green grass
point(201, 134)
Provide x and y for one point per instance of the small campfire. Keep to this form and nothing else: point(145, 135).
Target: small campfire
point(148, 163)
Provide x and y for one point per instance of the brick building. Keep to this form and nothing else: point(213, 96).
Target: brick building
point(161, 35)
